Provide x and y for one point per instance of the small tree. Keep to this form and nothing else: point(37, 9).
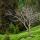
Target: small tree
point(27, 16)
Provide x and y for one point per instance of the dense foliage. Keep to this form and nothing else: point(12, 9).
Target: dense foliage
point(11, 8)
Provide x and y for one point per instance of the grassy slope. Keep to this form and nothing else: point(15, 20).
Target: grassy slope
point(35, 32)
point(24, 35)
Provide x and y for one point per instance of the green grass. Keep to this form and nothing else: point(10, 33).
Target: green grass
point(35, 35)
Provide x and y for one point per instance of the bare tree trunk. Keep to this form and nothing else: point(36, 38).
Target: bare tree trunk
point(29, 30)
point(25, 26)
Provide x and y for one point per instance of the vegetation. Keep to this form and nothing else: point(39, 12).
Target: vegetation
point(24, 35)
point(19, 19)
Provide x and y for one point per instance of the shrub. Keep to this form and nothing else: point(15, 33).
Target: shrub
point(7, 37)
point(13, 28)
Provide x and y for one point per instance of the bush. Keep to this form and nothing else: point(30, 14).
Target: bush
point(13, 28)
point(7, 37)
